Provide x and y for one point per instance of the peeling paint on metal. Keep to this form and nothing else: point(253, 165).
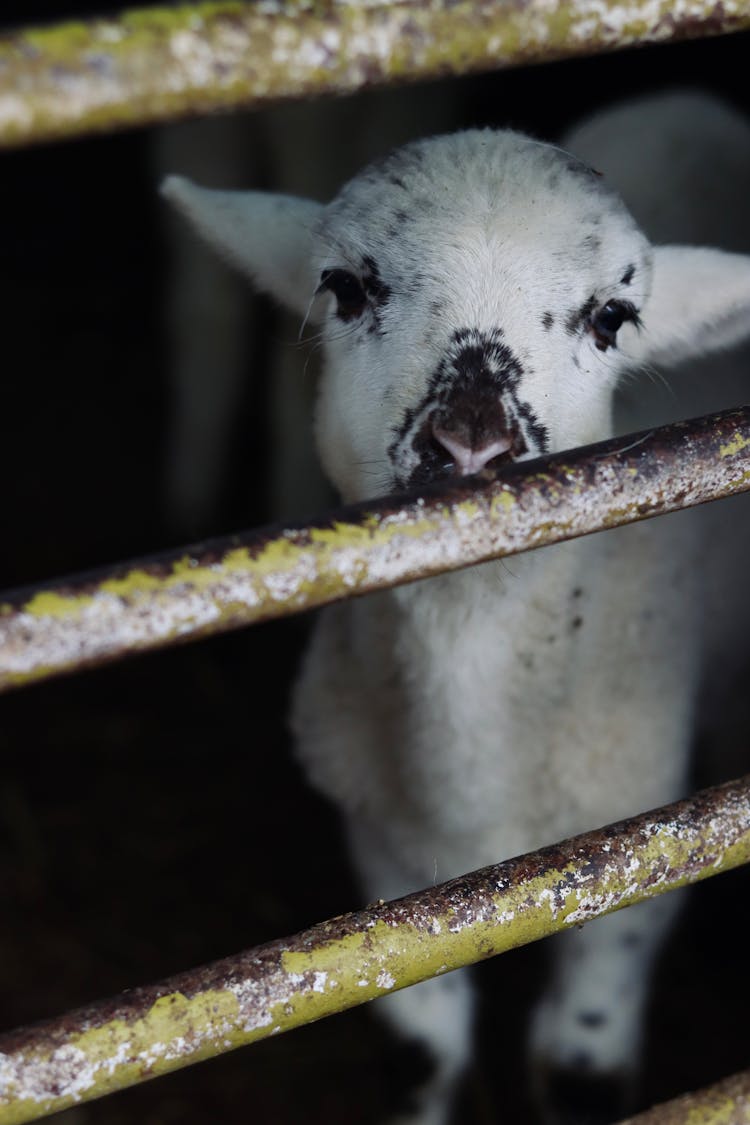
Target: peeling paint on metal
point(163, 63)
point(117, 1052)
point(357, 957)
point(738, 443)
point(224, 584)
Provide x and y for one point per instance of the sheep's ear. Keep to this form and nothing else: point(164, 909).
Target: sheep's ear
point(699, 303)
point(268, 237)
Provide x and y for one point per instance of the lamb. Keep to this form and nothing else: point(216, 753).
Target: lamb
point(481, 297)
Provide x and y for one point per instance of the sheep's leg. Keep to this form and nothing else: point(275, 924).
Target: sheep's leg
point(436, 1015)
point(587, 1031)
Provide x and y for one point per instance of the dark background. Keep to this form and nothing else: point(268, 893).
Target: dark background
point(151, 815)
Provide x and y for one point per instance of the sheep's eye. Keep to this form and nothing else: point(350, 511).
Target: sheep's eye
point(349, 293)
point(608, 320)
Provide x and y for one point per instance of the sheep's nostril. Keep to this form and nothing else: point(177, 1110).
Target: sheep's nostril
point(466, 459)
point(439, 456)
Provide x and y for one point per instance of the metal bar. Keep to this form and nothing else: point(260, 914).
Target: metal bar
point(358, 957)
point(67, 625)
point(726, 1103)
point(163, 63)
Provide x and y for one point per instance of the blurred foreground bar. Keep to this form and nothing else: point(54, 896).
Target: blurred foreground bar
point(160, 64)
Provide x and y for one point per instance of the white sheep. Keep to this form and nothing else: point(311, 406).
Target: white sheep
point(481, 297)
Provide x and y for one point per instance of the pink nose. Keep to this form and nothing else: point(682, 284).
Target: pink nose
point(470, 460)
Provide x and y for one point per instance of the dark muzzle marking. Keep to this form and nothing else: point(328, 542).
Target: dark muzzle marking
point(472, 395)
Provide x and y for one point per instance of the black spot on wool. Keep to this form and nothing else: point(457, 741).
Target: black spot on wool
point(373, 284)
point(578, 318)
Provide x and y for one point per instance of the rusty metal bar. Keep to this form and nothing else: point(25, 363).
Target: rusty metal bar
point(162, 63)
point(726, 1103)
point(212, 587)
point(358, 957)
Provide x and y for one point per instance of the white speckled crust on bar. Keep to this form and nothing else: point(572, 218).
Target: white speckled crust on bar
point(357, 957)
point(67, 625)
point(162, 63)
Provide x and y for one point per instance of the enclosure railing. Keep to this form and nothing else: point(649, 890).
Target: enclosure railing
point(223, 584)
point(358, 957)
point(160, 64)
point(102, 616)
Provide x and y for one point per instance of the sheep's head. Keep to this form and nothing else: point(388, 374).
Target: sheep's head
point(477, 285)
point(479, 296)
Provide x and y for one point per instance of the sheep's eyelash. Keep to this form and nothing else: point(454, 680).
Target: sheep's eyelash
point(633, 314)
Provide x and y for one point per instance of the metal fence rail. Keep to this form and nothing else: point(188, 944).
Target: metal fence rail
point(72, 624)
point(161, 63)
point(357, 957)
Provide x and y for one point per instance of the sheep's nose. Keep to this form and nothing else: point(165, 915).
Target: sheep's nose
point(467, 459)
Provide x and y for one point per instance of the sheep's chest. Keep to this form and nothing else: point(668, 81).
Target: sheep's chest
point(493, 710)
point(535, 689)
